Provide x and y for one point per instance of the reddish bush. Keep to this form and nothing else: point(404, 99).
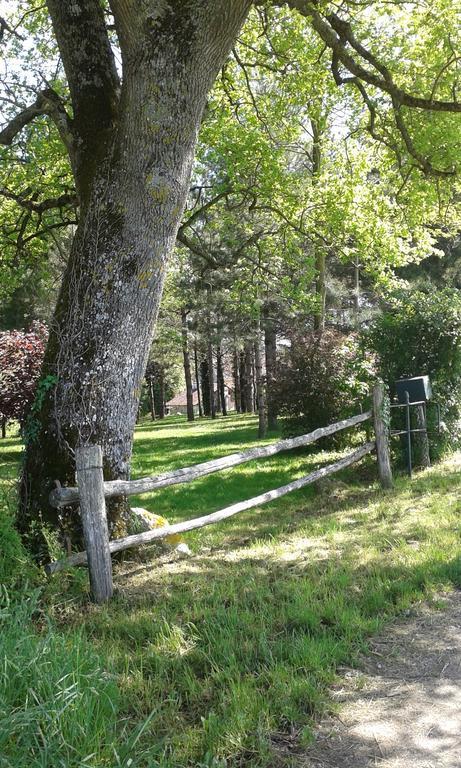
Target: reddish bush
point(21, 356)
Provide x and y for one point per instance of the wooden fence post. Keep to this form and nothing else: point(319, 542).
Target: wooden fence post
point(90, 480)
point(381, 418)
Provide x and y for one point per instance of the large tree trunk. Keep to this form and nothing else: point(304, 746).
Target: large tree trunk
point(270, 349)
point(187, 371)
point(132, 170)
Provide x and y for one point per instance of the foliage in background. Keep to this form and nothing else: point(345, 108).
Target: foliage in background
point(420, 334)
point(322, 379)
point(21, 355)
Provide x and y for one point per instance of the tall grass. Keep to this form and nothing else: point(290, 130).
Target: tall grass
point(222, 660)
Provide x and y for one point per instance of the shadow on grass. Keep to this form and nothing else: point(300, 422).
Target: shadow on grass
point(241, 642)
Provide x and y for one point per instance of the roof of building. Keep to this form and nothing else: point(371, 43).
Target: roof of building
point(180, 399)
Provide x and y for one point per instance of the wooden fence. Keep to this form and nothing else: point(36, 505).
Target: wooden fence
point(91, 491)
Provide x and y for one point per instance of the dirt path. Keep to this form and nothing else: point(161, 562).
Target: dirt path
point(402, 709)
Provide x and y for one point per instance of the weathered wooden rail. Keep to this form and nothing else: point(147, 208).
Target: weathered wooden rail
point(91, 491)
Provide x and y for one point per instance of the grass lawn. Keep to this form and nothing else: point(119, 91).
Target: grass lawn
point(224, 659)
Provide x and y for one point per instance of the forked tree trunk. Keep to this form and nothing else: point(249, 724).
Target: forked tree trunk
point(132, 167)
point(187, 371)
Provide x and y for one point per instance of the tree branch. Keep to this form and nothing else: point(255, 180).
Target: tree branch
point(83, 41)
point(48, 102)
point(337, 33)
point(63, 201)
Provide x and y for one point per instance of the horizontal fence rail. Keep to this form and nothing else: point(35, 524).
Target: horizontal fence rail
point(118, 545)
point(61, 497)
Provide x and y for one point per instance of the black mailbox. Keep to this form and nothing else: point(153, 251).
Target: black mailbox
point(418, 388)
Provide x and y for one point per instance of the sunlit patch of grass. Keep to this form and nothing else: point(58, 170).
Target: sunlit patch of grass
point(227, 655)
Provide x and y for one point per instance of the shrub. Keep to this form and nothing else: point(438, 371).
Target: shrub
point(322, 379)
point(21, 356)
point(420, 334)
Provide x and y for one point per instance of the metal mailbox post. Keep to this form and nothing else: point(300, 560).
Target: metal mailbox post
point(413, 392)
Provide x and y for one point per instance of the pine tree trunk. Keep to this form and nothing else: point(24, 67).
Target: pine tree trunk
point(151, 398)
point(197, 381)
point(211, 381)
point(260, 388)
point(132, 166)
point(320, 262)
point(221, 383)
point(205, 387)
point(243, 387)
point(249, 403)
point(270, 349)
point(161, 396)
point(236, 375)
point(187, 371)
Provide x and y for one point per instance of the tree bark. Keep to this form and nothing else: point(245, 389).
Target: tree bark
point(3, 428)
point(197, 381)
point(151, 398)
point(205, 387)
point(132, 160)
point(270, 349)
point(221, 382)
point(236, 374)
point(161, 396)
point(187, 371)
point(320, 261)
point(243, 405)
point(260, 387)
point(249, 406)
point(209, 341)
